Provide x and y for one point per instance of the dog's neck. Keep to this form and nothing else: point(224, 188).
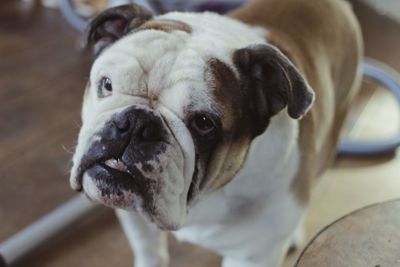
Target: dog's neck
point(264, 172)
point(263, 175)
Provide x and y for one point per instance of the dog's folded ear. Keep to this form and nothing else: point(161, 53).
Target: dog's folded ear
point(112, 24)
point(273, 83)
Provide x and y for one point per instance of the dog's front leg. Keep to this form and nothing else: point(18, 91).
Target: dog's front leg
point(149, 244)
point(256, 253)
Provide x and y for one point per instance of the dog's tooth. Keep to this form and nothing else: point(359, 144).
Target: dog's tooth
point(122, 166)
point(112, 163)
point(116, 164)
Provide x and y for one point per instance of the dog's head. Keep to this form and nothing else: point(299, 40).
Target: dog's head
point(172, 105)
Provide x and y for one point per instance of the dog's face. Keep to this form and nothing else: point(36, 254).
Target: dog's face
point(171, 108)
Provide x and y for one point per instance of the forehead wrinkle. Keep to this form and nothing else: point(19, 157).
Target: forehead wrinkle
point(190, 81)
point(171, 69)
point(176, 97)
point(154, 66)
point(157, 78)
point(137, 44)
point(177, 78)
point(187, 67)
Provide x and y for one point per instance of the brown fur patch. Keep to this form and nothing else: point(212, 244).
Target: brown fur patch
point(225, 86)
point(230, 98)
point(323, 39)
point(166, 26)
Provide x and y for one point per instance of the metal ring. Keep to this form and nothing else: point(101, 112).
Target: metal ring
point(388, 78)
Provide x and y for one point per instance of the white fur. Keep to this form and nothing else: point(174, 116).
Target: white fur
point(250, 220)
point(147, 242)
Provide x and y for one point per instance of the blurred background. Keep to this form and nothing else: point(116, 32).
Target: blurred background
point(42, 77)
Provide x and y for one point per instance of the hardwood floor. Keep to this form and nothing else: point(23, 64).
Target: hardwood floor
point(42, 76)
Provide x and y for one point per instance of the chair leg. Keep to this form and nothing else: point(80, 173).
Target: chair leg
point(34, 235)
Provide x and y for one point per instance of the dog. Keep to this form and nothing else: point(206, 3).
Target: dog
point(215, 128)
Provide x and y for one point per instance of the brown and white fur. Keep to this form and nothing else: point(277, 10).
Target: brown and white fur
point(275, 78)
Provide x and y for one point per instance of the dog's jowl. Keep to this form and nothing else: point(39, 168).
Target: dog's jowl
point(215, 127)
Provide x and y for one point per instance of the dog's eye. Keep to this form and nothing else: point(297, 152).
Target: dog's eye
point(105, 87)
point(202, 124)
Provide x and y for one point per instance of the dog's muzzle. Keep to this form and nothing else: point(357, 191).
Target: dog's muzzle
point(113, 171)
point(136, 162)
point(131, 138)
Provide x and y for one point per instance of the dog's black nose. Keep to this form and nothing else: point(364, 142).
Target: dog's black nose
point(143, 125)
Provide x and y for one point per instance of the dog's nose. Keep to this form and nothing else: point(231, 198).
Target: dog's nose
point(143, 125)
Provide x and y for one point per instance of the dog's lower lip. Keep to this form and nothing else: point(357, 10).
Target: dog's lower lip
point(109, 178)
point(112, 163)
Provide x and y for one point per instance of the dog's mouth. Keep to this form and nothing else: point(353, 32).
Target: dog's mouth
point(111, 183)
point(116, 184)
point(112, 177)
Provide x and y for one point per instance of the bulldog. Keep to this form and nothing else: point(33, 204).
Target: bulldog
point(214, 127)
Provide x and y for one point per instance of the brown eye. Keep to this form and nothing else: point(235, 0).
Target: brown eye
point(105, 87)
point(202, 124)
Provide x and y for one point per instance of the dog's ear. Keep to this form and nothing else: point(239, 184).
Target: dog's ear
point(112, 24)
point(272, 83)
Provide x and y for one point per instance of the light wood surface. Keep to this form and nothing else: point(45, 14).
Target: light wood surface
point(367, 237)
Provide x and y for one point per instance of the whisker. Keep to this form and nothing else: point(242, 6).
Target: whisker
point(68, 150)
point(77, 124)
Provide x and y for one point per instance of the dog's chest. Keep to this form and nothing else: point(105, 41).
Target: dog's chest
point(224, 223)
point(210, 220)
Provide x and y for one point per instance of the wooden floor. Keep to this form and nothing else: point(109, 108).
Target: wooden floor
point(42, 76)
